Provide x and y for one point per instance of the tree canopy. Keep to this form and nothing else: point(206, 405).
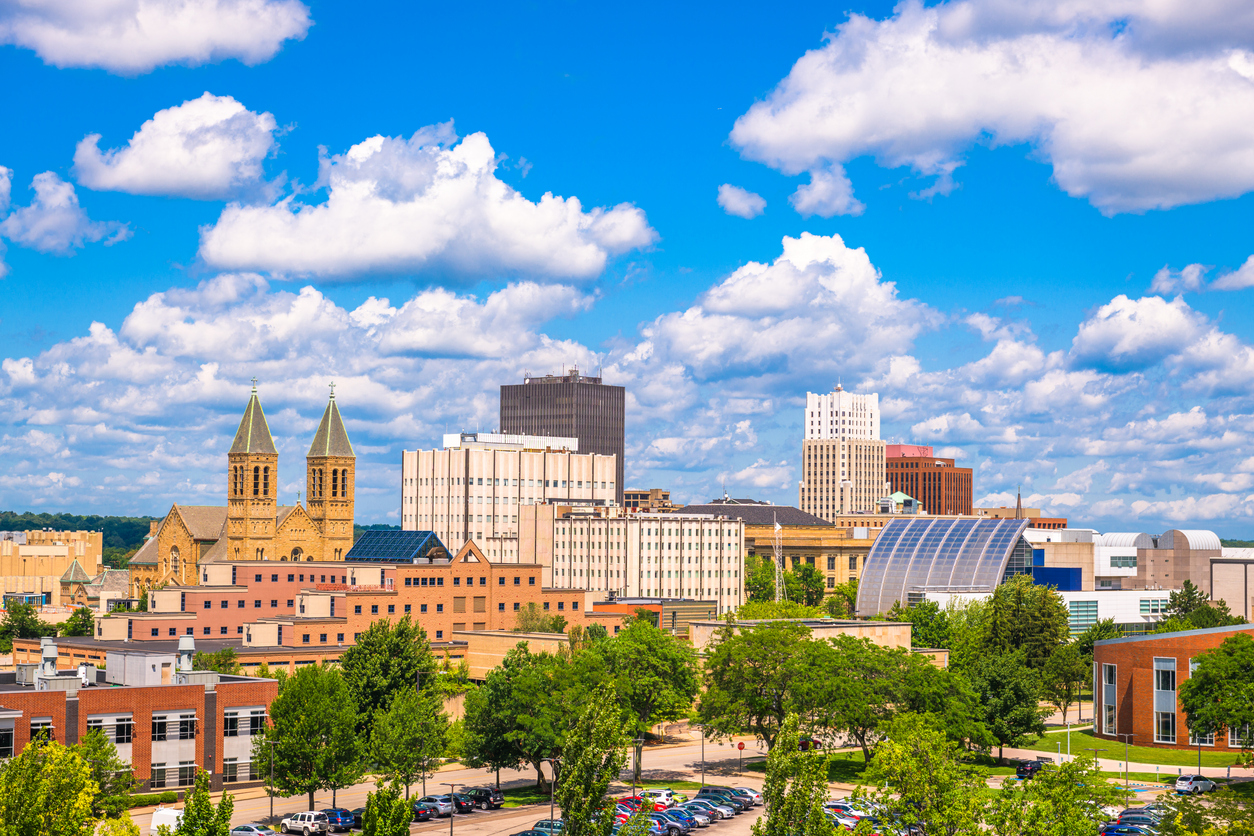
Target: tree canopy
point(82, 622)
point(406, 740)
point(22, 621)
point(386, 658)
point(46, 790)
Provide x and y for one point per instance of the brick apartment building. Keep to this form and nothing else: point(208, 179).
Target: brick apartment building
point(1136, 682)
point(166, 719)
point(387, 576)
point(941, 487)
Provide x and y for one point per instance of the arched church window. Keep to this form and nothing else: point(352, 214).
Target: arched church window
point(174, 559)
point(296, 553)
point(256, 480)
point(344, 483)
point(335, 483)
point(265, 481)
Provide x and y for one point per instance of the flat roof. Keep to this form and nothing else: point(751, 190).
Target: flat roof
point(1150, 637)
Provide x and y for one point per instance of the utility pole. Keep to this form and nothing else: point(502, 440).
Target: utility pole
point(552, 762)
point(452, 813)
point(1125, 757)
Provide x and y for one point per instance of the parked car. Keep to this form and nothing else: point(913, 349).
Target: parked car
point(722, 796)
point(754, 795)
point(463, 803)
point(659, 796)
point(703, 818)
point(530, 833)
point(1128, 830)
point(744, 794)
point(1028, 770)
point(307, 822)
point(670, 826)
point(1140, 819)
point(358, 812)
point(252, 830)
point(549, 826)
point(651, 804)
point(1194, 784)
point(338, 819)
point(718, 811)
point(485, 798)
point(443, 804)
point(684, 817)
point(424, 811)
point(846, 809)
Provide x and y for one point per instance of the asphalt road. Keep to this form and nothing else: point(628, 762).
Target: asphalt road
point(660, 763)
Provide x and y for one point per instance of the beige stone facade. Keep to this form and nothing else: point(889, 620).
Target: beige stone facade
point(47, 562)
point(841, 476)
point(252, 525)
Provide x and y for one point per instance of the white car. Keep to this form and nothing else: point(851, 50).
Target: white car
point(1194, 784)
point(754, 794)
point(168, 816)
point(665, 797)
point(305, 823)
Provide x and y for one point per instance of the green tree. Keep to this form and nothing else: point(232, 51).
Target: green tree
point(224, 661)
point(200, 816)
point(532, 619)
point(1061, 800)
point(1183, 602)
point(407, 737)
point(924, 780)
point(655, 675)
point(842, 600)
point(21, 621)
point(929, 626)
point(1226, 812)
point(312, 727)
point(804, 584)
point(947, 697)
point(489, 720)
point(1064, 677)
point(113, 776)
point(1219, 693)
point(1009, 694)
point(1100, 631)
point(1023, 616)
point(386, 813)
point(855, 686)
point(386, 658)
point(592, 758)
point(121, 826)
point(46, 790)
point(754, 677)
point(759, 578)
point(794, 788)
point(82, 622)
point(765, 610)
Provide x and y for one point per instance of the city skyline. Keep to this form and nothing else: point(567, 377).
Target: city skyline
point(1044, 286)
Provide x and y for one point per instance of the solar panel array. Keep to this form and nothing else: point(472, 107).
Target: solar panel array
point(396, 547)
point(937, 555)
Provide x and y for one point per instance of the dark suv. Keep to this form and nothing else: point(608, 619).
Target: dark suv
point(1028, 770)
point(339, 818)
point(485, 798)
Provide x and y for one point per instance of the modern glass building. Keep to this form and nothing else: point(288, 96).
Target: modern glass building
point(397, 547)
point(912, 557)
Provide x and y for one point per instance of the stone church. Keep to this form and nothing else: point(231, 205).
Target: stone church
point(252, 525)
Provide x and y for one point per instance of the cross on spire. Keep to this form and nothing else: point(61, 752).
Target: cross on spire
point(332, 390)
point(254, 385)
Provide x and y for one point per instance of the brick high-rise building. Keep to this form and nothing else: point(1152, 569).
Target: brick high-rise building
point(570, 405)
point(940, 487)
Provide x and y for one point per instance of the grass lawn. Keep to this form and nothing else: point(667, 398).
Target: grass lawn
point(674, 785)
point(845, 768)
point(522, 796)
point(1141, 754)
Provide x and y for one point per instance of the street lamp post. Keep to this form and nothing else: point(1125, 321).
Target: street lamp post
point(270, 789)
point(1125, 757)
point(552, 762)
point(453, 801)
point(702, 728)
point(635, 766)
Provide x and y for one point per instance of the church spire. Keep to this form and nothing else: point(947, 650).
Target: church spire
point(253, 435)
point(331, 438)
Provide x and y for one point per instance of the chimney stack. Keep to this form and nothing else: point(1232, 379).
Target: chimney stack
point(187, 650)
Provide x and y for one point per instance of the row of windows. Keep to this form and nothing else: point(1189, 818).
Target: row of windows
point(183, 775)
point(292, 578)
point(322, 638)
point(503, 482)
point(261, 480)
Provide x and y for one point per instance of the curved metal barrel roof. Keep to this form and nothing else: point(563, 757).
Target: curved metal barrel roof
point(938, 555)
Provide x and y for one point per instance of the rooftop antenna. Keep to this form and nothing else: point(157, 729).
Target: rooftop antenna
point(1019, 503)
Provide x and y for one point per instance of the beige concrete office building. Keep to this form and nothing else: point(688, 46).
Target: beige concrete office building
point(475, 488)
point(842, 455)
point(636, 555)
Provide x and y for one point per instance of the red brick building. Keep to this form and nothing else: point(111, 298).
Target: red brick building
point(167, 720)
point(939, 486)
point(1136, 679)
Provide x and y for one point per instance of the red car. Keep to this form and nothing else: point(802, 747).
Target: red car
point(635, 801)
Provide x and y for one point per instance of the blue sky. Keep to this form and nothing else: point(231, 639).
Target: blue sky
point(1023, 223)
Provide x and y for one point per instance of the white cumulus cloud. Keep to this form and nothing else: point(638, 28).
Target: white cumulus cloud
point(207, 148)
point(1238, 279)
point(428, 204)
point(1136, 106)
point(1127, 334)
point(129, 37)
point(54, 222)
point(740, 202)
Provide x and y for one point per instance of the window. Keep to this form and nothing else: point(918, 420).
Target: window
point(1083, 615)
point(531, 581)
point(291, 578)
point(357, 609)
point(274, 603)
point(1153, 606)
point(1205, 740)
point(339, 637)
point(516, 606)
point(500, 607)
point(274, 579)
point(208, 605)
point(481, 603)
point(230, 724)
point(123, 730)
point(240, 605)
point(322, 638)
point(158, 776)
point(408, 608)
point(1164, 680)
point(391, 609)
point(374, 609)
point(561, 605)
point(1239, 738)
point(459, 604)
point(230, 770)
point(439, 634)
point(500, 581)
point(257, 578)
point(257, 721)
point(439, 608)
point(457, 581)
point(187, 769)
point(1123, 561)
point(187, 727)
point(831, 583)
point(517, 581)
point(6, 742)
point(158, 729)
point(155, 631)
point(421, 608)
point(1164, 727)
point(304, 639)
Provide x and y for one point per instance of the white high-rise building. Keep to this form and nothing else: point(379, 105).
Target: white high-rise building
point(842, 455)
point(841, 414)
point(474, 487)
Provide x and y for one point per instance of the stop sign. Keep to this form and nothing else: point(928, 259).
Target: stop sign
point(740, 745)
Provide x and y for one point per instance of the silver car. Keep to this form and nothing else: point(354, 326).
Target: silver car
point(753, 794)
point(1194, 784)
point(442, 803)
point(719, 811)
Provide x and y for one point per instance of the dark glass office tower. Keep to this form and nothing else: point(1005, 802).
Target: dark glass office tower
point(570, 405)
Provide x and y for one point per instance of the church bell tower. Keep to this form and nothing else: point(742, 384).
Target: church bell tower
point(330, 482)
point(252, 487)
